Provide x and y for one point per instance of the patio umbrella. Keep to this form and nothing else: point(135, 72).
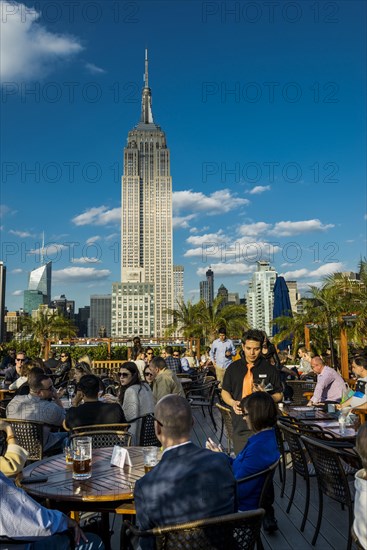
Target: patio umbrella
point(281, 308)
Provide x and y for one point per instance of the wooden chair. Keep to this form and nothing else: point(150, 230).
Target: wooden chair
point(104, 435)
point(234, 531)
point(226, 426)
point(332, 479)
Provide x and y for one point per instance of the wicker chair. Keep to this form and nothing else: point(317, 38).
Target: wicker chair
point(104, 435)
point(30, 436)
point(147, 433)
point(331, 479)
point(268, 475)
point(202, 395)
point(226, 426)
point(235, 532)
point(300, 465)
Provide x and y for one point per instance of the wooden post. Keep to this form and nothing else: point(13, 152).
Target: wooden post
point(344, 353)
point(307, 338)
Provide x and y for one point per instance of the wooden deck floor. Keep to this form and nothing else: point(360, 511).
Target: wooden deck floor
point(334, 528)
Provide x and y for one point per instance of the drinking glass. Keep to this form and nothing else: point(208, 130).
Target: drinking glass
point(71, 391)
point(150, 458)
point(82, 457)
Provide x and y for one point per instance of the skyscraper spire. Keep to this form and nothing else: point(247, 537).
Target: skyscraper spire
point(146, 80)
point(146, 101)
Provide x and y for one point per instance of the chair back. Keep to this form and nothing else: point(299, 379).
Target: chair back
point(227, 422)
point(299, 387)
point(104, 435)
point(29, 434)
point(234, 531)
point(330, 472)
point(147, 433)
point(268, 474)
point(295, 447)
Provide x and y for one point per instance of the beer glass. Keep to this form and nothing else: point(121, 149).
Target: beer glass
point(82, 458)
point(150, 458)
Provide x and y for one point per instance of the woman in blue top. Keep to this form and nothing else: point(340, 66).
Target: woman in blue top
point(260, 451)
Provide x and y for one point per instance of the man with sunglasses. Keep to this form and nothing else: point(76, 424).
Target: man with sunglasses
point(42, 404)
point(13, 373)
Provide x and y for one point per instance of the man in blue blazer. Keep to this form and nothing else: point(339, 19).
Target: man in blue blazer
point(189, 482)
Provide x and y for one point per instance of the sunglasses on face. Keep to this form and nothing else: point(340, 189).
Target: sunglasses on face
point(148, 374)
point(124, 374)
point(21, 360)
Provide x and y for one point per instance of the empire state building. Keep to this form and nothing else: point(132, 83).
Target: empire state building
point(140, 302)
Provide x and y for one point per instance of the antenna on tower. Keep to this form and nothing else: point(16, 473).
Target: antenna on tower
point(42, 247)
point(146, 80)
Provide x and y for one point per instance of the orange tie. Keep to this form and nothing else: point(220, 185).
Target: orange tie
point(248, 381)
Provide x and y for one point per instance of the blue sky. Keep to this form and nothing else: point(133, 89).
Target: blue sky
point(263, 105)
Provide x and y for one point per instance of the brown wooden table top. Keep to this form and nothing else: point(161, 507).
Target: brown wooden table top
point(108, 484)
point(4, 392)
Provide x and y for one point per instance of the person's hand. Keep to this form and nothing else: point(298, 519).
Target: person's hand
point(77, 532)
point(109, 398)
point(236, 407)
point(61, 392)
point(257, 387)
point(213, 446)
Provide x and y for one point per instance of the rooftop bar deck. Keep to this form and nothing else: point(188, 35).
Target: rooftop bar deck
point(334, 528)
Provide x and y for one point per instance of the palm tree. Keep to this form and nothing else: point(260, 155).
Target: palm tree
point(231, 317)
point(185, 320)
point(47, 324)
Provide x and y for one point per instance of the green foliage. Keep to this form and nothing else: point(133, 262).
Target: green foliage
point(200, 321)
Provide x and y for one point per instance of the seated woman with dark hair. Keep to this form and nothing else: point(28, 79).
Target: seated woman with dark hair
point(260, 451)
point(135, 397)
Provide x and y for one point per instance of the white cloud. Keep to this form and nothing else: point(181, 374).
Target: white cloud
point(211, 238)
point(94, 239)
point(227, 269)
point(112, 236)
point(17, 292)
point(327, 269)
point(322, 271)
point(28, 50)
point(198, 252)
point(16, 271)
point(287, 229)
point(94, 69)
point(254, 229)
point(259, 189)
point(20, 234)
point(80, 275)
point(49, 250)
point(182, 222)
point(296, 274)
point(218, 202)
point(99, 215)
point(85, 260)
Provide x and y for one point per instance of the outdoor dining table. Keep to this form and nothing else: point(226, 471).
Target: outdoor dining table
point(107, 488)
point(326, 420)
point(4, 392)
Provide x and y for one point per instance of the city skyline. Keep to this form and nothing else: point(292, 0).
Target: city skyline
point(263, 122)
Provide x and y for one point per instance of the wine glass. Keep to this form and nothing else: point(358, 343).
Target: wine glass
point(71, 392)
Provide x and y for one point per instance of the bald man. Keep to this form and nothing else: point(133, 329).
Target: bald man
point(189, 482)
point(330, 385)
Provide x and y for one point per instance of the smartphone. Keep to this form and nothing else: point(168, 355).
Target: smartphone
point(35, 479)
